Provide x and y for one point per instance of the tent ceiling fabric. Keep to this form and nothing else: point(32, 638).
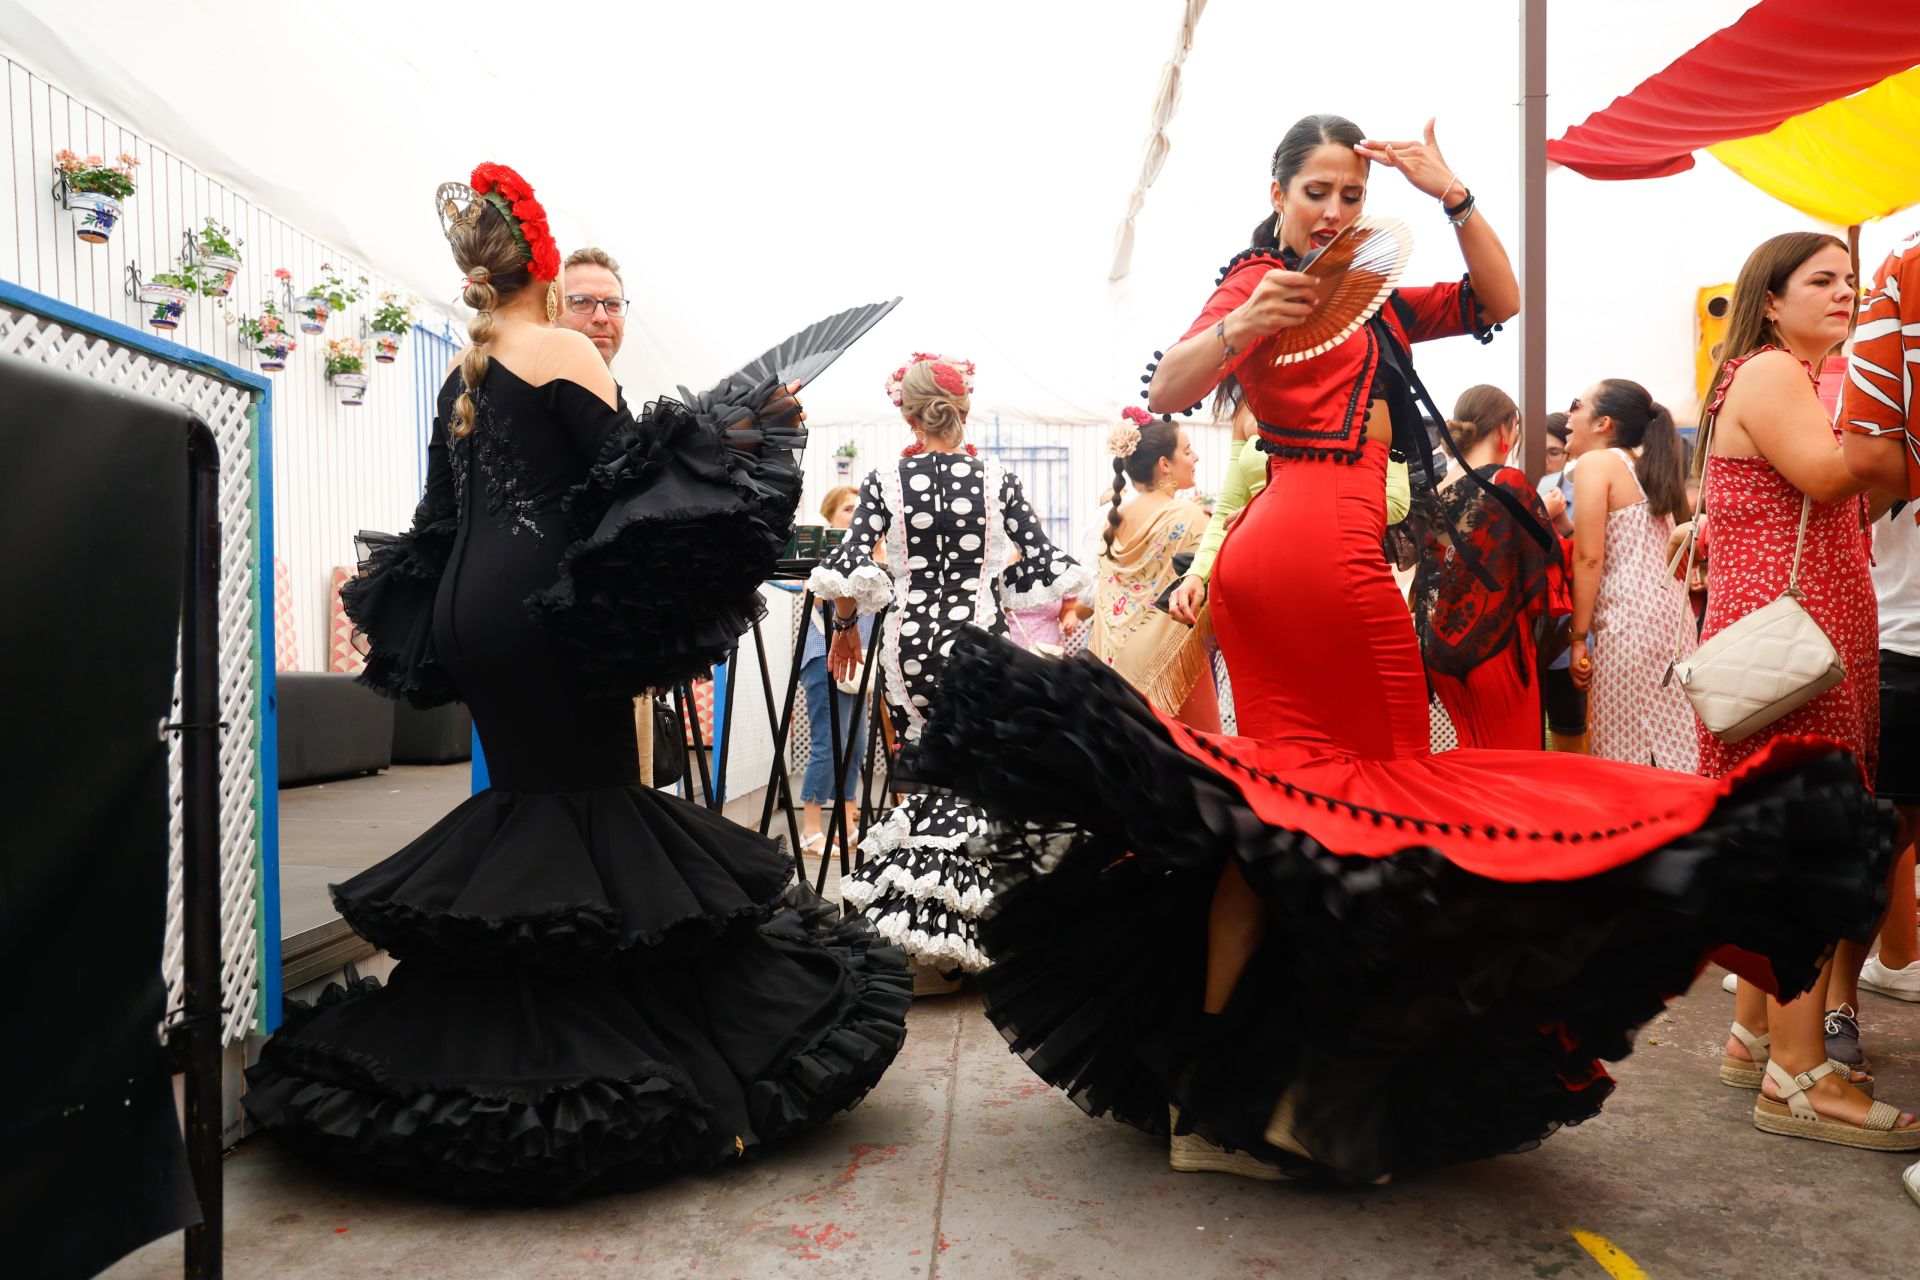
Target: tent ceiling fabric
point(1850, 161)
point(1782, 58)
point(755, 164)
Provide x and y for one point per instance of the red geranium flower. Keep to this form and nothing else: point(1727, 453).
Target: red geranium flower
point(948, 379)
point(531, 216)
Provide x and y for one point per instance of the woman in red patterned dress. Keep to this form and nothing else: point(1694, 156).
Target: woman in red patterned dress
point(1329, 949)
point(1773, 452)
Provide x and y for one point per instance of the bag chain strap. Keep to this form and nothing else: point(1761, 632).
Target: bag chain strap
point(1693, 540)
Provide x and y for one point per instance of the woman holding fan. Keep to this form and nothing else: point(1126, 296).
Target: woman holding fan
point(1327, 949)
point(599, 984)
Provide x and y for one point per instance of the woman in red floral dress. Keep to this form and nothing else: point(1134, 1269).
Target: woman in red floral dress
point(1774, 451)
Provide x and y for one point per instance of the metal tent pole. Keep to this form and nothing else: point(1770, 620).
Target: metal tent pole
point(1533, 236)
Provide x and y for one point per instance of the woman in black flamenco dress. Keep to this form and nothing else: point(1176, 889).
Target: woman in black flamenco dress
point(1317, 947)
point(600, 984)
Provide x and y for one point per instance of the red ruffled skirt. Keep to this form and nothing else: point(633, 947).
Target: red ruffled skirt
point(1454, 942)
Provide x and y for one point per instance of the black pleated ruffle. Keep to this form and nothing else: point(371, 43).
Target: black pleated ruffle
point(531, 1087)
point(675, 533)
point(1415, 1013)
point(390, 603)
point(566, 882)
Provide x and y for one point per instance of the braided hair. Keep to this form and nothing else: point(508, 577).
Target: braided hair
point(1156, 439)
point(496, 268)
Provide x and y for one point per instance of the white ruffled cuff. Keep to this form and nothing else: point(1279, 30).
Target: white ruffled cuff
point(1071, 580)
point(869, 587)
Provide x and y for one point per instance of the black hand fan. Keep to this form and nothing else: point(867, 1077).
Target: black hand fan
point(1357, 270)
point(806, 355)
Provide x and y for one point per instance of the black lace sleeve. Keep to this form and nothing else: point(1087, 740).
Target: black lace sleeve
point(390, 600)
point(679, 521)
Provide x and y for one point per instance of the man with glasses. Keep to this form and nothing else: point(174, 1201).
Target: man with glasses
point(594, 303)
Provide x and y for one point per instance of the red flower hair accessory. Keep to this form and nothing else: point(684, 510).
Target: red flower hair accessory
point(513, 196)
point(955, 377)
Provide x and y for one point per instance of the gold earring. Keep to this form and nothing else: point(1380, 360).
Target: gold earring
point(553, 300)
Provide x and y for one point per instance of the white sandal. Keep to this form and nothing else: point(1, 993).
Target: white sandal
point(1793, 1115)
point(1746, 1073)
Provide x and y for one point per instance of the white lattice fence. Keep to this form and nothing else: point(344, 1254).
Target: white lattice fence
point(228, 408)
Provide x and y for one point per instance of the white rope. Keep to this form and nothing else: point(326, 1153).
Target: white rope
point(1166, 100)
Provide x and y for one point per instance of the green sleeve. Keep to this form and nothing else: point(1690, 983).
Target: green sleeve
point(1233, 496)
point(1399, 492)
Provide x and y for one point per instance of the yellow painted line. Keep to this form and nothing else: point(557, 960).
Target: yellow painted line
point(1607, 1254)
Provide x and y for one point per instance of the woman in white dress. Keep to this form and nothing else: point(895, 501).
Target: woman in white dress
point(1629, 491)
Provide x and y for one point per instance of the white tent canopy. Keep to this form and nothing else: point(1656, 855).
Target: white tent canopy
point(755, 165)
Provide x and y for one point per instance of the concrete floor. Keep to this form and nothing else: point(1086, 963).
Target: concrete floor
point(962, 1166)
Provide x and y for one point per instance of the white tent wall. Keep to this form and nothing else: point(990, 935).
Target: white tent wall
point(755, 165)
point(336, 469)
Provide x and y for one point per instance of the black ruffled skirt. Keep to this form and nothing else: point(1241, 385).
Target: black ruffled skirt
point(597, 989)
point(1408, 1012)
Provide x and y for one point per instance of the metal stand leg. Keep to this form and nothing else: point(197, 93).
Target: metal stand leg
point(779, 786)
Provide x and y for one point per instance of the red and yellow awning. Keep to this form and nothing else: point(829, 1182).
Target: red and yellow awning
point(1817, 104)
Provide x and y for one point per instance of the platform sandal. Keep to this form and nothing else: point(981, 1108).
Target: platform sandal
point(1191, 1153)
point(1792, 1115)
point(1746, 1073)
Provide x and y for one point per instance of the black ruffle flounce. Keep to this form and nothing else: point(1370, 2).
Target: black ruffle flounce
point(566, 882)
point(1415, 1014)
point(390, 603)
point(531, 1087)
point(675, 533)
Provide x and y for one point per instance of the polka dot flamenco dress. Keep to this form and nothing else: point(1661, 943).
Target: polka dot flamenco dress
point(950, 523)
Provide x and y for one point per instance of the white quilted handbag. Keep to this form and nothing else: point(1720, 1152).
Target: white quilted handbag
point(1767, 664)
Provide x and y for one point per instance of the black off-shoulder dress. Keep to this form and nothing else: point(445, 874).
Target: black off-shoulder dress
point(599, 984)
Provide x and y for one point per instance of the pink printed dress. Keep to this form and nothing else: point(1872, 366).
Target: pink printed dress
point(1753, 515)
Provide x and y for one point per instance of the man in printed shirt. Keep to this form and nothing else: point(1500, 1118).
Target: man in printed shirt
point(1882, 447)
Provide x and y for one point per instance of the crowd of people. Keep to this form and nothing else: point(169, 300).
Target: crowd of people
point(1290, 948)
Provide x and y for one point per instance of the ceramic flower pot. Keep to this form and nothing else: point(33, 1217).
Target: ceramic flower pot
point(351, 386)
point(843, 467)
point(94, 215)
point(273, 361)
point(313, 313)
point(165, 303)
point(386, 346)
point(217, 272)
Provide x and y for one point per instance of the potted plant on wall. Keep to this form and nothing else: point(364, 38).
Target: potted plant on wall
point(166, 295)
point(843, 458)
point(347, 369)
point(218, 259)
point(329, 295)
point(94, 192)
point(268, 337)
point(392, 320)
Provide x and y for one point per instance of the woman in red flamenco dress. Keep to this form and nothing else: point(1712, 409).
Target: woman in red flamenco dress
point(1316, 947)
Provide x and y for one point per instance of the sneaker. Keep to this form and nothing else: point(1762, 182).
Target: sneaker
point(1843, 1037)
point(1911, 1181)
point(1901, 984)
point(1730, 984)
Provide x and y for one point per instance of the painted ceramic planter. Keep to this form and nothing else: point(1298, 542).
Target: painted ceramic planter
point(843, 467)
point(165, 303)
point(217, 272)
point(273, 361)
point(94, 215)
point(313, 313)
point(386, 346)
point(351, 386)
